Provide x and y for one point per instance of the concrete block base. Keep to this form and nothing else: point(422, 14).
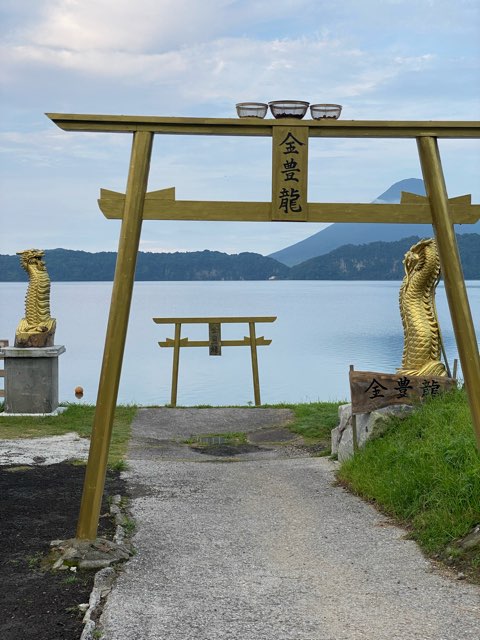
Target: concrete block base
point(31, 379)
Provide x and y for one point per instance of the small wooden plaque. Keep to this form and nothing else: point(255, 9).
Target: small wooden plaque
point(215, 339)
point(372, 390)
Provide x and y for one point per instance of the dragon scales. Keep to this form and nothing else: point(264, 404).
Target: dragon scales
point(422, 344)
point(37, 328)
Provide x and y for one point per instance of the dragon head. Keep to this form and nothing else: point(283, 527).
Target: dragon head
point(32, 258)
point(417, 256)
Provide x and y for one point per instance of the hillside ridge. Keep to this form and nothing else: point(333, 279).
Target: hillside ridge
point(370, 261)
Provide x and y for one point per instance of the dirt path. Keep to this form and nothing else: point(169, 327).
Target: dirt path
point(262, 546)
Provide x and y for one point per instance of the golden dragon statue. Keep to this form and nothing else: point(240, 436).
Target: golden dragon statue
point(422, 345)
point(37, 328)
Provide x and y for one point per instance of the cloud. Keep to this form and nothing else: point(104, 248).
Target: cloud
point(227, 69)
point(144, 25)
point(381, 59)
point(146, 53)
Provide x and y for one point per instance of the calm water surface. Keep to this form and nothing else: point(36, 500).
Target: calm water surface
point(322, 328)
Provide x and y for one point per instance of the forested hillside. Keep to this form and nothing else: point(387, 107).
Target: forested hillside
point(373, 261)
point(379, 261)
point(64, 265)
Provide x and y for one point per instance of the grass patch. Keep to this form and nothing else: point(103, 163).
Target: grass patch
point(78, 418)
point(425, 471)
point(129, 526)
point(313, 421)
point(207, 439)
point(34, 561)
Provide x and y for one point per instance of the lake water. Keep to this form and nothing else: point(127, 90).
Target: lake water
point(322, 328)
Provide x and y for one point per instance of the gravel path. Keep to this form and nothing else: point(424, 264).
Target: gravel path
point(263, 546)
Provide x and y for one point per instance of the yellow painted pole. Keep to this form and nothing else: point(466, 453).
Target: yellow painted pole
point(115, 338)
point(253, 351)
point(452, 274)
point(176, 362)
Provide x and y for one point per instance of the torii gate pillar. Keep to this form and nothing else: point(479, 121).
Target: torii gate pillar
point(452, 273)
point(116, 335)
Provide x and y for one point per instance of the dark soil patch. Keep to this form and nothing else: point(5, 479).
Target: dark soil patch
point(227, 450)
point(38, 505)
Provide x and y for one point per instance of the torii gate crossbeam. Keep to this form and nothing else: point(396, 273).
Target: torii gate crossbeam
point(135, 206)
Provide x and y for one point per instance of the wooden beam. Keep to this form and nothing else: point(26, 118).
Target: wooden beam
point(237, 319)
point(259, 127)
point(245, 342)
point(413, 198)
point(164, 207)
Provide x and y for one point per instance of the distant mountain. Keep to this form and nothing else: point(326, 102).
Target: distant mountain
point(379, 261)
point(64, 265)
point(339, 233)
point(393, 194)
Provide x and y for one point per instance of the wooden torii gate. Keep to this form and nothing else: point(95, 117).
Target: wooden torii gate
point(289, 203)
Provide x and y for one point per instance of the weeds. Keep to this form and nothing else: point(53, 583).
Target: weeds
point(34, 561)
point(129, 526)
point(120, 465)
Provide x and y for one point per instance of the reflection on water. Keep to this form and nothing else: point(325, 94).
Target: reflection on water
point(322, 328)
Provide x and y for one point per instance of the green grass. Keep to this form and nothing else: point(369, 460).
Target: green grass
point(425, 471)
point(314, 421)
point(229, 437)
point(78, 418)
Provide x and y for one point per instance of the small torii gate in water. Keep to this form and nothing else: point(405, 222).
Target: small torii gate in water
point(289, 203)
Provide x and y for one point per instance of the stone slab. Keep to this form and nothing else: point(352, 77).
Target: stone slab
point(31, 379)
point(32, 352)
point(58, 411)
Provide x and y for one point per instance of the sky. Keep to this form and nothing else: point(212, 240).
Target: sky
point(380, 59)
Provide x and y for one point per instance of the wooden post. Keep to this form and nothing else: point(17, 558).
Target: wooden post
point(116, 334)
point(176, 361)
point(354, 425)
point(253, 351)
point(455, 367)
point(452, 274)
